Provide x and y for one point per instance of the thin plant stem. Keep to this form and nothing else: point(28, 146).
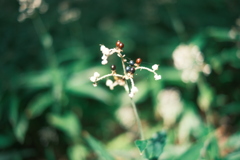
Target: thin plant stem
point(139, 124)
point(137, 119)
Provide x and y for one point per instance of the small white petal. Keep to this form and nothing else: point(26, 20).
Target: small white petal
point(109, 82)
point(104, 62)
point(105, 50)
point(96, 74)
point(104, 57)
point(157, 77)
point(93, 79)
point(134, 90)
point(155, 67)
point(131, 95)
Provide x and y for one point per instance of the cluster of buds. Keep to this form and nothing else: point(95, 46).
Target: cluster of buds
point(128, 70)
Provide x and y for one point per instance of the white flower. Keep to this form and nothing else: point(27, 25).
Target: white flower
point(105, 50)
point(109, 82)
point(157, 77)
point(133, 91)
point(96, 74)
point(104, 62)
point(94, 77)
point(125, 115)
point(170, 106)
point(155, 67)
point(189, 59)
point(131, 95)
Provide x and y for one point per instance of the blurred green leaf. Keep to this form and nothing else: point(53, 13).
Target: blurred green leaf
point(39, 104)
point(212, 149)
point(36, 80)
point(13, 115)
point(77, 152)
point(88, 90)
point(233, 141)
point(193, 152)
point(155, 146)
point(141, 145)
point(233, 156)
point(21, 128)
point(220, 34)
point(206, 95)
point(97, 147)
point(68, 123)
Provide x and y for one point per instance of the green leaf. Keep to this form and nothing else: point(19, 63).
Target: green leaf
point(21, 128)
point(68, 123)
point(89, 91)
point(13, 111)
point(39, 104)
point(221, 34)
point(141, 144)
point(193, 152)
point(36, 79)
point(97, 147)
point(155, 146)
point(213, 149)
point(77, 152)
point(233, 156)
point(206, 95)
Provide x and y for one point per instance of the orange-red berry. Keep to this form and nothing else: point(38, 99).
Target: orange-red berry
point(119, 44)
point(139, 61)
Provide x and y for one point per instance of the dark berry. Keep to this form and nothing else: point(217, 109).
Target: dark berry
point(128, 68)
point(139, 61)
point(132, 70)
point(119, 44)
point(131, 62)
point(113, 67)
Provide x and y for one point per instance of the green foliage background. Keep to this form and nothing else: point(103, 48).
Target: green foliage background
point(50, 110)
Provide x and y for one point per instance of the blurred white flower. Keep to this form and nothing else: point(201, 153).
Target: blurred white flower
point(126, 116)
point(28, 7)
point(189, 59)
point(69, 15)
point(170, 106)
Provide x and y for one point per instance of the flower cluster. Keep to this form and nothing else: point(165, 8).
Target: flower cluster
point(189, 59)
point(129, 68)
point(28, 7)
